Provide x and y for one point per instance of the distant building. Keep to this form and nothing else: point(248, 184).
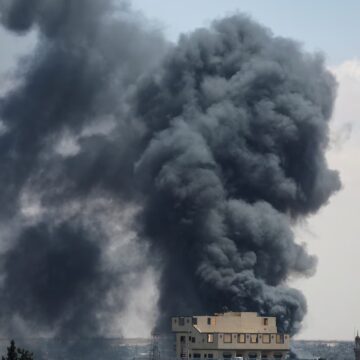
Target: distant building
point(357, 347)
point(229, 335)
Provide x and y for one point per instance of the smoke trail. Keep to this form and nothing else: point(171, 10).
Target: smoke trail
point(122, 153)
point(70, 254)
point(237, 127)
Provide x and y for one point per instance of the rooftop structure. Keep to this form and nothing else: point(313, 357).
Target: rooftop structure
point(229, 335)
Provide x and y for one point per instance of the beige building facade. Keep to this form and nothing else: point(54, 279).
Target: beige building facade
point(229, 335)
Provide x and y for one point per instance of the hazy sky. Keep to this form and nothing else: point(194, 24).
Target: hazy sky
point(332, 27)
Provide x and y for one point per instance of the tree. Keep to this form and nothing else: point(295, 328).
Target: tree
point(14, 353)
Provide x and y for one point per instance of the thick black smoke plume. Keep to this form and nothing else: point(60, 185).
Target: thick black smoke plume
point(216, 144)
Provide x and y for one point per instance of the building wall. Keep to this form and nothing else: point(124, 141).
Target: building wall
point(194, 333)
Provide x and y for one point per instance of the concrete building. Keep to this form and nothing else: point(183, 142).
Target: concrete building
point(229, 335)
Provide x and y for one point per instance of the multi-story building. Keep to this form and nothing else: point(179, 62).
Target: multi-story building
point(229, 335)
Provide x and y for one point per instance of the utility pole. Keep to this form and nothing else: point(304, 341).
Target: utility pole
point(357, 347)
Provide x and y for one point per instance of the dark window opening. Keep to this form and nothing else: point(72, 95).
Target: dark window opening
point(197, 356)
point(210, 356)
point(181, 321)
point(193, 339)
point(209, 321)
point(266, 321)
point(194, 321)
point(227, 355)
point(279, 338)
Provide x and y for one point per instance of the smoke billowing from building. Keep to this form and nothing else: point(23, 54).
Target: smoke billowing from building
point(122, 153)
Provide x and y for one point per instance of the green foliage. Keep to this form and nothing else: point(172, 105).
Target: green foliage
point(14, 353)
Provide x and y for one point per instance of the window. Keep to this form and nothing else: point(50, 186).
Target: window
point(182, 338)
point(189, 338)
point(227, 338)
point(278, 356)
point(266, 321)
point(227, 355)
point(266, 338)
point(253, 338)
point(187, 320)
point(241, 338)
point(197, 356)
point(279, 338)
point(193, 340)
point(194, 321)
point(210, 338)
point(239, 354)
point(253, 356)
point(264, 356)
point(210, 356)
point(209, 321)
point(181, 321)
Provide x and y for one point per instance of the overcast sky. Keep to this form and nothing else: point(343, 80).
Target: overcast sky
point(332, 27)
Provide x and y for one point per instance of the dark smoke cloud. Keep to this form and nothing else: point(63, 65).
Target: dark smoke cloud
point(215, 146)
point(237, 127)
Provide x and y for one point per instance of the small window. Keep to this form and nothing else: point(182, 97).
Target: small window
point(253, 338)
point(205, 356)
point(197, 356)
point(189, 338)
point(279, 338)
point(210, 356)
point(278, 356)
point(187, 320)
point(241, 338)
point(181, 321)
point(189, 355)
point(209, 321)
point(264, 356)
point(227, 338)
point(182, 338)
point(266, 321)
point(194, 321)
point(266, 338)
point(210, 338)
point(192, 339)
point(227, 355)
point(239, 354)
point(253, 356)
